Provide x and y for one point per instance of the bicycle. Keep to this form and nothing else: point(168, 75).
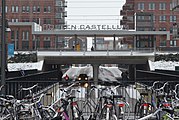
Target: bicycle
point(107, 111)
point(162, 108)
point(122, 108)
point(142, 107)
point(69, 109)
point(5, 113)
point(8, 107)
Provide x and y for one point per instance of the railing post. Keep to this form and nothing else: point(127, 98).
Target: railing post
point(131, 52)
point(84, 52)
point(60, 52)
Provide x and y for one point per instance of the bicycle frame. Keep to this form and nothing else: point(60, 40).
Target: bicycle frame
point(153, 115)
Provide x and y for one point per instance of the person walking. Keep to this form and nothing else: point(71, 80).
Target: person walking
point(92, 48)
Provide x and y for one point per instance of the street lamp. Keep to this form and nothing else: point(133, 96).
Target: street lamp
point(3, 48)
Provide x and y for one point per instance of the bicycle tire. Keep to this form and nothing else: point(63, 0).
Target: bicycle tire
point(125, 115)
point(103, 113)
point(85, 108)
point(136, 110)
point(113, 117)
point(71, 114)
point(5, 114)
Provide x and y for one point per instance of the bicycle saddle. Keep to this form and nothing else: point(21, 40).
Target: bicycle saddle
point(170, 111)
point(144, 94)
point(117, 96)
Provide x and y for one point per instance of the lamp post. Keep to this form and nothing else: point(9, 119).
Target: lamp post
point(3, 50)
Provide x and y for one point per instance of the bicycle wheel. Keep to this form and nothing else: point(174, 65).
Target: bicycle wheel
point(145, 109)
point(85, 108)
point(5, 113)
point(136, 110)
point(123, 111)
point(102, 115)
point(113, 117)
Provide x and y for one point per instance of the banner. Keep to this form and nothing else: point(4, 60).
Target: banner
point(10, 50)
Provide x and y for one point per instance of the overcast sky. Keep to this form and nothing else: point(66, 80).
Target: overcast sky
point(94, 12)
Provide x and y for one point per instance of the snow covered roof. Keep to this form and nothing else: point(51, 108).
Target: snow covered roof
point(105, 73)
point(163, 65)
point(25, 66)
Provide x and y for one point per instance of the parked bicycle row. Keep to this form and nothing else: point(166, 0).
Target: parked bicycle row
point(28, 108)
point(96, 102)
point(157, 101)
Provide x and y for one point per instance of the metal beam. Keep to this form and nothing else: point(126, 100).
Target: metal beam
point(105, 33)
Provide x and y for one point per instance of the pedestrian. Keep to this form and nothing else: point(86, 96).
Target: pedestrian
point(73, 47)
point(125, 77)
point(92, 48)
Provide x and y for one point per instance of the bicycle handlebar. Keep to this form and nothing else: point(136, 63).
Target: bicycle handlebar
point(175, 91)
point(5, 100)
point(152, 87)
point(29, 88)
point(166, 83)
point(1, 87)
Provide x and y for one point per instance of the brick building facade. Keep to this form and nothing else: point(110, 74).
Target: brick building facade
point(50, 14)
point(163, 18)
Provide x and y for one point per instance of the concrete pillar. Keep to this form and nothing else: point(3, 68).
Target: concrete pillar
point(154, 44)
point(95, 73)
point(94, 42)
point(132, 72)
point(75, 42)
point(114, 42)
point(135, 37)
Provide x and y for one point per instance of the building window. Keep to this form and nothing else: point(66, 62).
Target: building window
point(163, 43)
point(171, 30)
point(17, 9)
point(34, 9)
point(173, 18)
point(17, 34)
point(173, 43)
point(25, 45)
point(12, 9)
point(140, 6)
point(47, 42)
point(47, 21)
point(38, 8)
point(162, 6)
point(12, 35)
point(140, 17)
point(6, 9)
point(36, 20)
point(49, 9)
point(171, 6)
point(162, 29)
point(27, 9)
point(162, 18)
point(151, 6)
point(25, 20)
point(23, 9)
point(45, 9)
point(14, 20)
point(154, 18)
point(25, 35)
